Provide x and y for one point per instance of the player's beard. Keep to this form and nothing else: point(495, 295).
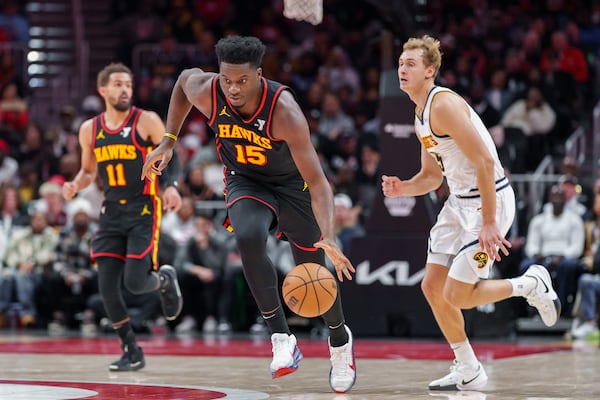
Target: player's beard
point(122, 106)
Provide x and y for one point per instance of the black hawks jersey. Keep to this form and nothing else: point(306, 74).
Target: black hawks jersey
point(246, 146)
point(121, 154)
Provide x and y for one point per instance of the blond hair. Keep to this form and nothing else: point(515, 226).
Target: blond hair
point(432, 55)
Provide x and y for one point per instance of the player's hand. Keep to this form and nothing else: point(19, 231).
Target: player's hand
point(69, 190)
point(492, 241)
point(156, 161)
point(390, 185)
point(171, 199)
point(343, 266)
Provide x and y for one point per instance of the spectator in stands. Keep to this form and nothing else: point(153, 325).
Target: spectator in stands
point(347, 224)
point(180, 226)
point(12, 217)
point(33, 150)
point(535, 118)
point(589, 282)
point(51, 194)
point(30, 251)
point(143, 25)
point(560, 89)
point(214, 14)
point(555, 239)
point(368, 175)
point(570, 186)
point(67, 286)
point(570, 58)
point(268, 28)
point(196, 187)
point(181, 23)
point(332, 123)
point(13, 23)
point(339, 72)
point(204, 56)
point(8, 70)
point(498, 95)
point(516, 78)
point(8, 165)
point(14, 113)
point(202, 271)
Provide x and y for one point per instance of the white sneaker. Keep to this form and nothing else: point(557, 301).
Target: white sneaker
point(342, 374)
point(461, 377)
point(187, 325)
point(584, 330)
point(209, 325)
point(542, 296)
point(224, 327)
point(286, 354)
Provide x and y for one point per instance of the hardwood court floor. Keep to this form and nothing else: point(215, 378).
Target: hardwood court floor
point(38, 367)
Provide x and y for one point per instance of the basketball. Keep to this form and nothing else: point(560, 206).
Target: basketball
point(309, 290)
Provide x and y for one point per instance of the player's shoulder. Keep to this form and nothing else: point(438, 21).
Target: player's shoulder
point(198, 76)
point(87, 125)
point(447, 101)
point(286, 101)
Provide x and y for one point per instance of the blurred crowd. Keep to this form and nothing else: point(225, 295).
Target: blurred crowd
point(529, 69)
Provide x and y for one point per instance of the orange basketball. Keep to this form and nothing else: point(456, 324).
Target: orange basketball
point(309, 290)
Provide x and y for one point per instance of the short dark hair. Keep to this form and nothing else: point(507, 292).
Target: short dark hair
point(240, 50)
point(104, 74)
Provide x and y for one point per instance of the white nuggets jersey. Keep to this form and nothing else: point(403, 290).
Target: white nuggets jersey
point(457, 169)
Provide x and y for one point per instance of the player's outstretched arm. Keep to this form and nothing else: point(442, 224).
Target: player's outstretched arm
point(191, 89)
point(290, 125)
point(428, 178)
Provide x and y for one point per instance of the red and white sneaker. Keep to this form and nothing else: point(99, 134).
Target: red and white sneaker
point(343, 369)
point(286, 354)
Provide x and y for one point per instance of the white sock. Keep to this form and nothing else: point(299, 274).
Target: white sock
point(522, 285)
point(464, 354)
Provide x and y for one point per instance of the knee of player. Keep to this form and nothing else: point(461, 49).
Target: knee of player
point(432, 289)
point(456, 298)
point(134, 284)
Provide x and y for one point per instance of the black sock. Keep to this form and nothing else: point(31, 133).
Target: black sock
point(338, 335)
point(276, 321)
point(126, 334)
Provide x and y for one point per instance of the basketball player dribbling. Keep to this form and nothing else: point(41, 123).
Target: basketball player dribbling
point(469, 233)
point(273, 181)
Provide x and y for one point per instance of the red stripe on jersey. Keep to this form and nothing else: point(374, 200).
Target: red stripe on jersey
point(260, 106)
point(120, 128)
point(94, 127)
point(214, 101)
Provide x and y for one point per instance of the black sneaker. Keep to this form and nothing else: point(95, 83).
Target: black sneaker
point(131, 360)
point(170, 294)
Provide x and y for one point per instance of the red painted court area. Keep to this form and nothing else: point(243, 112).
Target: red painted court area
point(371, 349)
point(110, 391)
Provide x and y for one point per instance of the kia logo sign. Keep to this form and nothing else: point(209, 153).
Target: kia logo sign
point(392, 273)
